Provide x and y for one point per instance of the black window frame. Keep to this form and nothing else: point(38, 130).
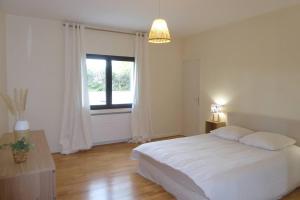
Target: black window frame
point(108, 70)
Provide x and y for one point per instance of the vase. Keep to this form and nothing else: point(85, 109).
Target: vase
point(21, 129)
point(21, 126)
point(20, 156)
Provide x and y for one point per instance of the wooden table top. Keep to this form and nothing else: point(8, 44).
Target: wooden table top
point(39, 158)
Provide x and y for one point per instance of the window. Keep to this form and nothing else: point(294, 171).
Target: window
point(110, 81)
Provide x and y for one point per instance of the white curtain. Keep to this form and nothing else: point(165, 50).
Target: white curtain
point(75, 132)
point(141, 117)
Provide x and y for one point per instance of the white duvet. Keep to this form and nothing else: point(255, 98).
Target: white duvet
point(227, 170)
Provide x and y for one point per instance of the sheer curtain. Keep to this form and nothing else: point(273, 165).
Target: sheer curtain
point(76, 122)
point(141, 116)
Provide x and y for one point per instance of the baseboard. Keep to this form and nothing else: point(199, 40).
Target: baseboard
point(111, 141)
point(156, 136)
point(163, 135)
point(98, 143)
point(193, 133)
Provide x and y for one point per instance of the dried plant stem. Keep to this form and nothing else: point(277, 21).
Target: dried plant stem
point(9, 104)
point(17, 105)
point(25, 99)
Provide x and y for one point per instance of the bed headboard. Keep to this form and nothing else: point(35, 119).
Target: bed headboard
point(255, 122)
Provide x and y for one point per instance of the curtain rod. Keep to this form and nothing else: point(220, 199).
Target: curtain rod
point(105, 30)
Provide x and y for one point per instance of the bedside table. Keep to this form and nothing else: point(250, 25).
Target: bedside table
point(211, 125)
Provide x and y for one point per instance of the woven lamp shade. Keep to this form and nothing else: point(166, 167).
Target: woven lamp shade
point(159, 32)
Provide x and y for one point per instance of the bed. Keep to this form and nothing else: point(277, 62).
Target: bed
point(207, 167)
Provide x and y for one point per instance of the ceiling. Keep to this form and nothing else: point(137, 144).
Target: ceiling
point(184, 17)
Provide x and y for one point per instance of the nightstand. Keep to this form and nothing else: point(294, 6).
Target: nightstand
point(211, 125)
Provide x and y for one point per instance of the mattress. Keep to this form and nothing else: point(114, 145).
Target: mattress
point(176, 183)
point(207, 167)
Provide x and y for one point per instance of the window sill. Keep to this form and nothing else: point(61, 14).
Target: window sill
point(110, 111)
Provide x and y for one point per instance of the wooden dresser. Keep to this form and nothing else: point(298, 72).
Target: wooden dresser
point(212, 125)
point(31, 180)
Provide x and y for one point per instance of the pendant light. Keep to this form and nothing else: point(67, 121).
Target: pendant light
point(159, 32)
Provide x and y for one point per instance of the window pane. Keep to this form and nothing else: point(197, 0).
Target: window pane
point(96, 75)
point(122, 82)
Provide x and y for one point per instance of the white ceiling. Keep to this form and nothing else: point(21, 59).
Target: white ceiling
point(184, 17)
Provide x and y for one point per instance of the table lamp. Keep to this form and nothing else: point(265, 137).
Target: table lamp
point(215, 109)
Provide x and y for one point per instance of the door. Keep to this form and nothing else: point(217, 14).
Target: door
point(191, 99)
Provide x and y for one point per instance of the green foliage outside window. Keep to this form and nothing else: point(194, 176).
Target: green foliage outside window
point(120, 80)
point(96, 81)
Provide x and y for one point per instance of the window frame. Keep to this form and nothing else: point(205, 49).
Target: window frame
point(109, 59)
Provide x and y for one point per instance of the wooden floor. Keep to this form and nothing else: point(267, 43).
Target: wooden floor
point(107, 173)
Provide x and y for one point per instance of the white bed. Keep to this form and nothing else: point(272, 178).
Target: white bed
point(208, 167)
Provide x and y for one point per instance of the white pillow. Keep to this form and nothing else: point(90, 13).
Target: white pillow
point(267, 140)
point(231, 132)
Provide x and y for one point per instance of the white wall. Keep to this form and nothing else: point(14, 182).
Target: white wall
point(3, 111)
point(108, 43)
point(166, 88)
point(252, 66)
point(35, 60)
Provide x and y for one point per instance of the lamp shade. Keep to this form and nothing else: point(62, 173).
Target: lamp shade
point(215, 108)
point(159, 32)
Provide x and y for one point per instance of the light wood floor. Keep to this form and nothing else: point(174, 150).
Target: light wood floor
point(107, 173)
